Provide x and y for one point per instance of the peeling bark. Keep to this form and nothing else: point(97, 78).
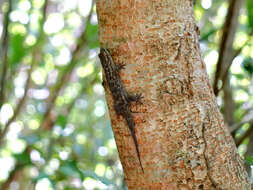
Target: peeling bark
point(183, 141)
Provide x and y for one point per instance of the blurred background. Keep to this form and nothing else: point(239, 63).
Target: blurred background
point(54, 127)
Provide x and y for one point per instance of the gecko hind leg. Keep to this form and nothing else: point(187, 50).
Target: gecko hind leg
point(120, 66)
point(135, 98)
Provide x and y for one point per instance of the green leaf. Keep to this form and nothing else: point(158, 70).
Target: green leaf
point(239, 76)
point(41, 175)
point(204, 37)
point(69, 168)
point(23, 158)
point(71, 188)
point(93, 175)
point(91, 35)
point(17, 48)
point(61, 121)
point(249, 6)
point(249, 159)
point(248, 65)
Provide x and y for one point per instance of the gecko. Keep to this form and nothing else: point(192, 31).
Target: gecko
point(122, 99)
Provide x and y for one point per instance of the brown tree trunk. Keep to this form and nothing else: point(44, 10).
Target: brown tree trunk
point(182, 138)
point(249, 153)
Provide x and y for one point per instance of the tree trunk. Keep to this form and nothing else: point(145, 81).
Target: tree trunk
point(182, 138)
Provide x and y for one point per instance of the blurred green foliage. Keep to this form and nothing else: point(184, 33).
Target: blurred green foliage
point(61, 138)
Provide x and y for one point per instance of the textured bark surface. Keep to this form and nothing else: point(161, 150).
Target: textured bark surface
point(249, 153)
point(183, 141)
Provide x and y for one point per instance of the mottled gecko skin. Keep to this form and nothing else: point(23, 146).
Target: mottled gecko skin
point(122, 99)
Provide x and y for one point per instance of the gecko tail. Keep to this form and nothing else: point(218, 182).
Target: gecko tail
point(131, 125)
point(137, 150)
point(139, 158)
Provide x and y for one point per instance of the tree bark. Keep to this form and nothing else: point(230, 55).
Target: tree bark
point(249, 153)
point(182, 138)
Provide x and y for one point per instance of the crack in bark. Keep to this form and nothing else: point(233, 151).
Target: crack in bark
point(214, 184)
point(178, 53)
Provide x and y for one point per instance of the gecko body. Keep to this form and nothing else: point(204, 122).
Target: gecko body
point(122, 99)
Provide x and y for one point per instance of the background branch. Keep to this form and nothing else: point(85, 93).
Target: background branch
point(16, 171)
point(229, 31)
point(245, 135)
point(235, 54)
point(4, 53)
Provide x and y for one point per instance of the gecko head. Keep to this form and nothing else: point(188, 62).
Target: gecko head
point(104, 51)
point(104, 56)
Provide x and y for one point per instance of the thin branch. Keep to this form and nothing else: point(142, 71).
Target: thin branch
point(235, 54)
point(19, 106)
point(229, 31)
point(245, 135)
point(16, 171)
point(234, 127)
point(14, 174)
point(4, 48)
